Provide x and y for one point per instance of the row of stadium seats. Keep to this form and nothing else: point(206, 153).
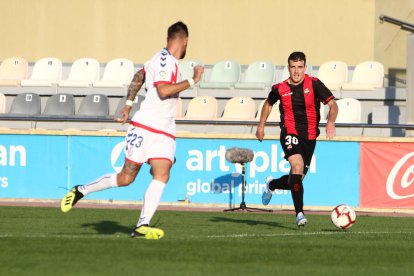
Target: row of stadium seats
point(243, 108)
point(226, 74)
point(238, 108)
point(367, 75)
point(84, 72)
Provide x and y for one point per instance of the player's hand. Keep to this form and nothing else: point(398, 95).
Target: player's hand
point(123, 114)
point(198, 72)
point(260, 133)
point(330, 130)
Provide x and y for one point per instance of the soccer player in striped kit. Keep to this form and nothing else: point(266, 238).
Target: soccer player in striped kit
point(151, 133)
point(300, 97)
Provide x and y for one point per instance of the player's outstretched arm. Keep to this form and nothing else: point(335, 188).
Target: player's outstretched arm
point(330, 124)
point(133, 89)
point(167, 90)
point(266, 109)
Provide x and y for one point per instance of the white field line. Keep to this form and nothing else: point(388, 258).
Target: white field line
point(63, 236)
point(305, 234)
point(234, 236)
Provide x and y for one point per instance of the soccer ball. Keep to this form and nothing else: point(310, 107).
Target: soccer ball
point(343, 216)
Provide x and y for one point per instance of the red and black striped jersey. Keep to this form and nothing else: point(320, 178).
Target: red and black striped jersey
point(299, 106)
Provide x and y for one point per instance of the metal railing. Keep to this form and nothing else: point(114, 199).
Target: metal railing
point(402, 24)
point(109, 119)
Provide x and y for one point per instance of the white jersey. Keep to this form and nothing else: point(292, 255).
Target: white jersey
point(155, 112)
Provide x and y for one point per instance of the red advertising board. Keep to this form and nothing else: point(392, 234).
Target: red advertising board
point(387, 175)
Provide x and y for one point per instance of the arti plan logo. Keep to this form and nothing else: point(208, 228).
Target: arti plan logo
point(400, 181)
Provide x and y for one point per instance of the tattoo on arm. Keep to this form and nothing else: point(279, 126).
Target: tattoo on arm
point(136, 84)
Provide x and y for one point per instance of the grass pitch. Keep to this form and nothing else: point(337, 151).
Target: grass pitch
point(44, 241)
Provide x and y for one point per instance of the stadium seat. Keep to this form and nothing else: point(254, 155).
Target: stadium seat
point(349, 111)
point(118, 73)
point(82, 73)
point(94, 105)
point(187, 72)
point(223, 75)
point(274, 115)
point(13, 70)
point(60, 104)
point(46, 72)
point(2, 103)
point(333, 74)
point(135, 105)
point(26, 104)
point(367, 75)
point(187, 68)
point(286, 75)
point(239, 108)
point(259, 75)
point(202, 108)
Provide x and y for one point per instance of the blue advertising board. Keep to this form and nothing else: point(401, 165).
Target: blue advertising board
point(33, 166)
point(45, 166)
point(203, 174)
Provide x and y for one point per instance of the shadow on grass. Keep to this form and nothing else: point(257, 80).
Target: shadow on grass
point(108, 227)
point(252, 222)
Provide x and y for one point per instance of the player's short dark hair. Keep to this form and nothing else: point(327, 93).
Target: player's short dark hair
point(297, 56)
point(177, 29)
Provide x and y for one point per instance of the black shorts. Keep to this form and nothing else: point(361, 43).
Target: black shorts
point(292, 144)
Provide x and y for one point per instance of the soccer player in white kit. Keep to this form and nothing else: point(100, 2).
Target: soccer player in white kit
point(151, 134)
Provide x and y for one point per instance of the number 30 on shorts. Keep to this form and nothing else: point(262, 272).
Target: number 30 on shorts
point(289, 140)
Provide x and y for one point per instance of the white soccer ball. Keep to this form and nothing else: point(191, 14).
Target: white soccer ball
point(343, 216)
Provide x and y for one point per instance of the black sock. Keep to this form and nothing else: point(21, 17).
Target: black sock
point(279, 183)
point(296, 189)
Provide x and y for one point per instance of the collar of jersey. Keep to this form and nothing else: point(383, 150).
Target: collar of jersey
point(167, 51)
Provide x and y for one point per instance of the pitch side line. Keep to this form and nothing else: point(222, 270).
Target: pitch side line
point(305, 234)
point(93, 236)
point(234, 236)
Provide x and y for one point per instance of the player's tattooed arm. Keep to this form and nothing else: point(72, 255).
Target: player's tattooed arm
point(133, 89)
point(136, 84)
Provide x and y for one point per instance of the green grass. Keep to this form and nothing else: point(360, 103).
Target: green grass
point(44, 241)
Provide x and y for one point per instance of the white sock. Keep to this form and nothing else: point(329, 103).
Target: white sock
point(104, 182)
point(152, 199)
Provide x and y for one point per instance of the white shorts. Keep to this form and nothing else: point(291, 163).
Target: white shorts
point(143, 143)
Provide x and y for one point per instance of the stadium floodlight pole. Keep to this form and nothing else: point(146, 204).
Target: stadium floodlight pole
point(409, 102)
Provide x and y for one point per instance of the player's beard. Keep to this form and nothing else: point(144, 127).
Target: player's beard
point(183, 54)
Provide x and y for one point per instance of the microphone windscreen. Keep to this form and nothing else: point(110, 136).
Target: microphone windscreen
point(239, 155)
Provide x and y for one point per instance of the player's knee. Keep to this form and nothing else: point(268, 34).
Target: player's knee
point(162, 177)
point(297, 169)
point(124, 179)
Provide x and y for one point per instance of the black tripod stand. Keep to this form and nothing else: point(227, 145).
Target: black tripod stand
point(243, 206)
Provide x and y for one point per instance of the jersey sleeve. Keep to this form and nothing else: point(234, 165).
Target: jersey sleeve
point(322, 92)
point(165, 70)
point(273, 96)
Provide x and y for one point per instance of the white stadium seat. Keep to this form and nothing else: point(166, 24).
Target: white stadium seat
point(223, 75)
point(259, 75)
point(46, 71)
point(118, 73)
point(333, 74)
point(367, 75)
point(13, 71)
point(82, 73)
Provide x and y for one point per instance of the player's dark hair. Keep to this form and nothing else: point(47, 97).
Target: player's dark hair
point(297, 56)
point(177, 29)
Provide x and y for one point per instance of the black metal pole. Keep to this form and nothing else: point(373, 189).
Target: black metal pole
point(403, 25)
